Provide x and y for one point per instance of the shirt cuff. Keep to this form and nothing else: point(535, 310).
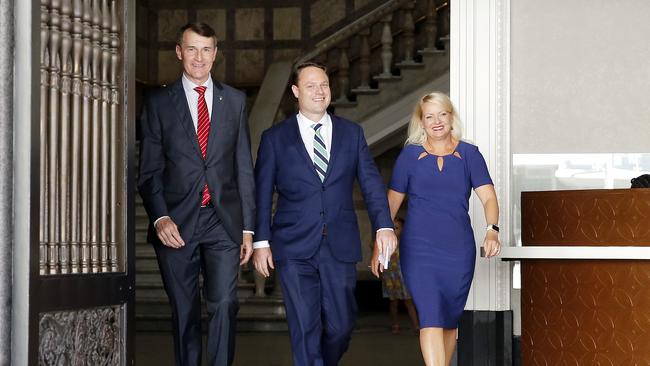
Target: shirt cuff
point(158, 219)
point(261, 244)
point(385, 229)
point(249, 232)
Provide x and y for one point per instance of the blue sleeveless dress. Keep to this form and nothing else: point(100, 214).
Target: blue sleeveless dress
point(437, 247)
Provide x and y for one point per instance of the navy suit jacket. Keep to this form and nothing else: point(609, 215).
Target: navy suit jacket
point(307, 207)
point(173, 172)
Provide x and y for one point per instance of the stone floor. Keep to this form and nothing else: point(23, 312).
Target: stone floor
point(372, 344)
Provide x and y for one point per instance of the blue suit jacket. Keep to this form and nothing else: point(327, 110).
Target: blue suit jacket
point(306, 206)
point(173, 172)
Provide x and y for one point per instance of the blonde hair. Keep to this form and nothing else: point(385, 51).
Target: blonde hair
point(416, 134)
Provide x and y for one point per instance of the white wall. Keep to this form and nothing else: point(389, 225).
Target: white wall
point(552, 76)
point(580, 76)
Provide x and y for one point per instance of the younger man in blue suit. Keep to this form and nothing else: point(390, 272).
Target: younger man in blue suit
point(311, 160)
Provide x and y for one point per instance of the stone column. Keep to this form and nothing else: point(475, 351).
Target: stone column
point(23, 125)
point(479, 70)
point(6, 175)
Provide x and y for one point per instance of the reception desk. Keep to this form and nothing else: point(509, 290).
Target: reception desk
point(585, 290)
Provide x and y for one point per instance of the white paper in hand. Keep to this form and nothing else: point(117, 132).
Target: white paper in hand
point(383, 260)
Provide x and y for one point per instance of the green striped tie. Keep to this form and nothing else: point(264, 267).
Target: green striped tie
point(321, 156)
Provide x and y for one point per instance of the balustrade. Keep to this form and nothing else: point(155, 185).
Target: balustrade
point(408, 32)
point(364, 61)
point(386, 47)
point(402, 24)
point(343, 75)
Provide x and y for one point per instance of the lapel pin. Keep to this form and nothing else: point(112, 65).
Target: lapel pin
point(220, 97)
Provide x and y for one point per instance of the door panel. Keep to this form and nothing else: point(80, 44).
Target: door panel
point(82, 286)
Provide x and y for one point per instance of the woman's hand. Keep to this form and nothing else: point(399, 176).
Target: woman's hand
point(491, 244)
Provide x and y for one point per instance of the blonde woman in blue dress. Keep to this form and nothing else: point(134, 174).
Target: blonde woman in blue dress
point(437, 171)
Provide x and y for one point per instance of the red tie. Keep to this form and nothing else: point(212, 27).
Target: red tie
point(202, 132)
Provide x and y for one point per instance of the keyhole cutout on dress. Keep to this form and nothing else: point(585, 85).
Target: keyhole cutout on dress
point(441, 163)
point(440, 159)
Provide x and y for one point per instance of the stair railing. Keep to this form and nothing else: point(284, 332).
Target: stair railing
point(386, 34)
point(363, 48)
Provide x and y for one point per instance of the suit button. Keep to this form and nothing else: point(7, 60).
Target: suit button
point(323, 188)
point(322, 213)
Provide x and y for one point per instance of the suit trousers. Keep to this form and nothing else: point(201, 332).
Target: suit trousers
point(320, 304)
point(211, 252)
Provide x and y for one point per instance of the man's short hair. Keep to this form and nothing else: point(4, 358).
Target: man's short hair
point(202, 29)
point(302, 65)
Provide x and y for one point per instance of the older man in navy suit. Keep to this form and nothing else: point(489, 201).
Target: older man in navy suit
point(312, 160)
point(197, 185)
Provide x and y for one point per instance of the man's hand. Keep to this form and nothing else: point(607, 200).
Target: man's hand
point(375, 266)
point(168, 233)
point(386, 242)
point(263, 260)
point(246, 249)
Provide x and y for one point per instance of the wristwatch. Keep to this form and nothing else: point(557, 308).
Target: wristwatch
point(492, 227)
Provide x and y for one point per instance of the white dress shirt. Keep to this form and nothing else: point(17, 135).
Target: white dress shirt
point(307, 134)
point(192, 97)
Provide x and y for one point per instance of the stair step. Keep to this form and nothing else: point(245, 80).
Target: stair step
point(166, 317)
point(387, 78)
point(344, 104)
point(148, 278)
point(243, 325)
point(365, 91)
point(141, 225)
point(255, 314)
point(268, 302)
point(141, 237)
point(431, 51)
point(148, 283)
point(410, 65)
point(145, 251)
point(151, 287)
point(147, 294)
point(146, 266)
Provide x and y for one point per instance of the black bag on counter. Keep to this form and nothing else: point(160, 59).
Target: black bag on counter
point(642, 181)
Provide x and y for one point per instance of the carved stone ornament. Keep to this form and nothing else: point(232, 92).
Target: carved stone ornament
point(79, 338)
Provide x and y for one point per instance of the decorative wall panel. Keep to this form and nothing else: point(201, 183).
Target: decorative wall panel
point(586, 312)
point(591, 217)
point(84, 337)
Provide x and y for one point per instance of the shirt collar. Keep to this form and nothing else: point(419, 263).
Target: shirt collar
point(189, 85)
point(326, 121)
